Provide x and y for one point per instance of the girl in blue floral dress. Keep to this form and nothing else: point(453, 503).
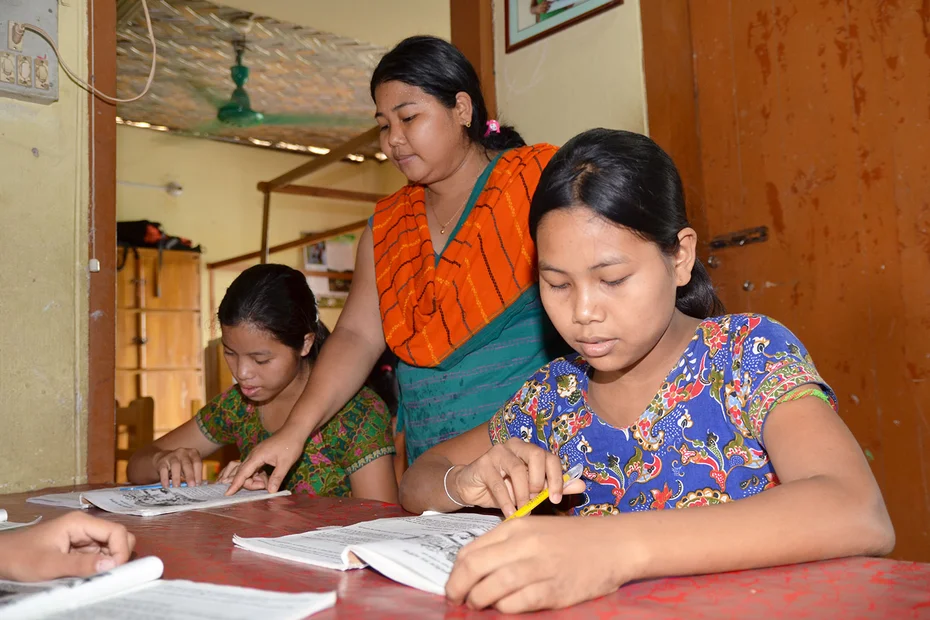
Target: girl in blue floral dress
point(667, 404)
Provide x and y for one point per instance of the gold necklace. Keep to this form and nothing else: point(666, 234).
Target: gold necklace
point(442, 227)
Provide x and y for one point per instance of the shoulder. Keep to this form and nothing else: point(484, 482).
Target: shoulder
point(758, 332)
point(366, 402)
point(537, 155)
point(230, 404)
point(389, 205)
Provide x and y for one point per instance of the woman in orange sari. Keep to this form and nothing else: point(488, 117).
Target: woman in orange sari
point(446, 271)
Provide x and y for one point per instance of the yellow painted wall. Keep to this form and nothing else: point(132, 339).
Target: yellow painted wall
point(43, 279)
point(372, 21)
point(588, 75)
point(220, 208)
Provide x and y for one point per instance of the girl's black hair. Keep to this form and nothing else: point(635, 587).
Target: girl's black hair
point(438, 68)
point(626, 178)
point(276, 299)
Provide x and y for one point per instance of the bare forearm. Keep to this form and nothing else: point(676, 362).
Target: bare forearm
point(421, 488)
point(141, 467)
point(340, 371)
point(805, 520)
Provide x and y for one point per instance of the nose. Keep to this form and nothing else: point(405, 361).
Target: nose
point(395, 135)
point(242, 370)
point(587, 307)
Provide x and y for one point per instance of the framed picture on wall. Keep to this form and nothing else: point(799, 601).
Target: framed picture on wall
point(323, 263)
point(528, 21)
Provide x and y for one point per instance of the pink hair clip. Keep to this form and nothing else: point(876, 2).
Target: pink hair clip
point(493, 127)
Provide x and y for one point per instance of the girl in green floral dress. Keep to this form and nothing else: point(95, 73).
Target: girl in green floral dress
point(271, 337)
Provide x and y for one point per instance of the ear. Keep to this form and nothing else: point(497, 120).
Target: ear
point(463, 108)
point(308, 344)
point(683, 259)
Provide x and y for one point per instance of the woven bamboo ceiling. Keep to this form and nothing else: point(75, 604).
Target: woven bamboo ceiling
point(314, 84)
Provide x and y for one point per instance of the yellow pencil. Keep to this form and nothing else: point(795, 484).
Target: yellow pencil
point(572, 474)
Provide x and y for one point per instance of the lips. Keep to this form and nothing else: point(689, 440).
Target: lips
point(249, 391)
point(596, 347)
point(403, 159)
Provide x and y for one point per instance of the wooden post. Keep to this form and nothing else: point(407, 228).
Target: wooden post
point(473, 33)
point(266, 214)
point(101, 330)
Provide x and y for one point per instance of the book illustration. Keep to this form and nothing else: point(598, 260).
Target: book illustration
point(148, 502)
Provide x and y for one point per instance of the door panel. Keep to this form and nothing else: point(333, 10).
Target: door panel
point(813, 119)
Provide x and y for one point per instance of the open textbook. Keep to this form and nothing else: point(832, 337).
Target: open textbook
point(135, 590)
point(7, 525)
point(415, 551)
point(153, 500)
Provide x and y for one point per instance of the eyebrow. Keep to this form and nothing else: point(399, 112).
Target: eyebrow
point(610, 262)
point(397, 107)
point(252, 354)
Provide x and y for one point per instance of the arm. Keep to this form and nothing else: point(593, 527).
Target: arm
point(827, 506)
point(503, 476)
point(340, 371)
point(179, 452)
point(375, 481)
point(74, 545)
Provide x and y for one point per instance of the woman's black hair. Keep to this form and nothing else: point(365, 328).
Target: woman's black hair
point(275, 299)
point(626, 178)
point(438, 68)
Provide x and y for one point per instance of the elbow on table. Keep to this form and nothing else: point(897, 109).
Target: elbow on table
point(877, 535)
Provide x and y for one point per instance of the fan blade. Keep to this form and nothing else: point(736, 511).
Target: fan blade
point(210, 127)
point(207, 95)
point(316, 120)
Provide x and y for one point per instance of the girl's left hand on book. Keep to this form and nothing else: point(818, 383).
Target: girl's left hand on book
point(538, 563)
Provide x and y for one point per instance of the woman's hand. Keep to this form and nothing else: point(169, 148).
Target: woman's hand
point(75, 545)
point(536, 563)
point(172, 464)
point(257, 482)
point(281, 451)
point(509, 475)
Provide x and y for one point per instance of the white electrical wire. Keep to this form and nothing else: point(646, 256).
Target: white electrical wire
point(91, 88)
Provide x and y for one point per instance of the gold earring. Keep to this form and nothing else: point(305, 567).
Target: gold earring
point(468, 124)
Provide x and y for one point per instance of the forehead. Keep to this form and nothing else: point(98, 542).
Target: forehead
point(248, 336)
point(393, 93)
point(582, 236)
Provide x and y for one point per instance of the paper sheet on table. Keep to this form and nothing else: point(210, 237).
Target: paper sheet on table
point(133, 590)
point(8, 525)
point(61, 500)
point(159, 501)
point(339, 548)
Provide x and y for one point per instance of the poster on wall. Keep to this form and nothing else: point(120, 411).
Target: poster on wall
point(528, 21)
point(323, 263)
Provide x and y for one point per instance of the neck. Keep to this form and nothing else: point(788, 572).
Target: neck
point(650, 371)
point(462, 179)
point(285, 400)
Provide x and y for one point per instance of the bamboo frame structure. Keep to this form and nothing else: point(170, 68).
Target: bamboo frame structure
point(282, 185)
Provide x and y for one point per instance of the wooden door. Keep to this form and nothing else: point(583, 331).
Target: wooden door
point(158, 344)
point(812, 119)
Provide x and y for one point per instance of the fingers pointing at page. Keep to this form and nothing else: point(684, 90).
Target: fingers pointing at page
point(281, 451)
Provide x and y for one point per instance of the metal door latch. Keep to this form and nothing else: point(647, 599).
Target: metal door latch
point(740, 238)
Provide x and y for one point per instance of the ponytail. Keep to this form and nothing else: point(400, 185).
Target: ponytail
point(698, 298)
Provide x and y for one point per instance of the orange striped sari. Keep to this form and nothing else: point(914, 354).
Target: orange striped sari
point(431, 307)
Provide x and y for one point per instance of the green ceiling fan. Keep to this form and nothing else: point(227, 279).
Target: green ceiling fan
point(237, 111)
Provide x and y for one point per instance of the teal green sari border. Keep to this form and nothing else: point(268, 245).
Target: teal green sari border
point(491, 331)
point(472, 201)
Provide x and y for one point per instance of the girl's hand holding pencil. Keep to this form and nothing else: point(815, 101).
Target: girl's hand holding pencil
point(509, 476)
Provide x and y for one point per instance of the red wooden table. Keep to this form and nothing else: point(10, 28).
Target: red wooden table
point(198, 546)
